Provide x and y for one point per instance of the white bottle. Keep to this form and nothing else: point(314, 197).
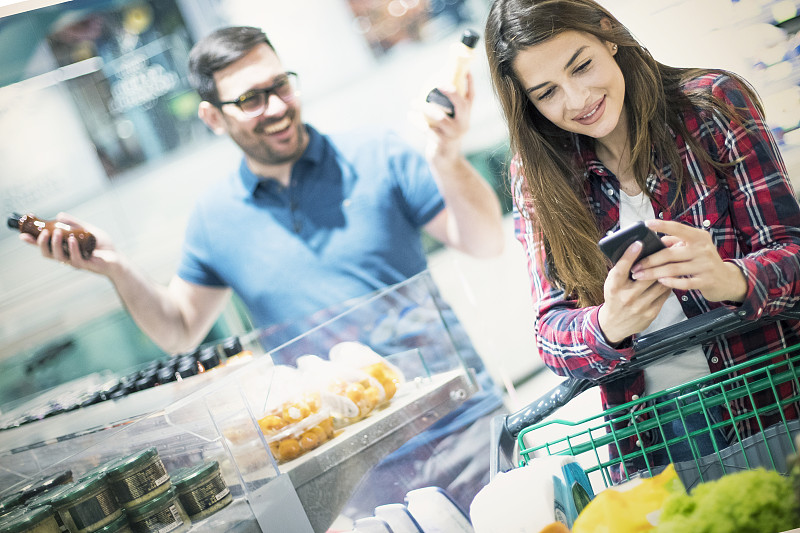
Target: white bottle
point(464, 54)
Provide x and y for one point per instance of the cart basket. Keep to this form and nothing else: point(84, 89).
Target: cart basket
point(508, 432)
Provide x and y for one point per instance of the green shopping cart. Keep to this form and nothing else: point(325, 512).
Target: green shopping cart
point(516, 440)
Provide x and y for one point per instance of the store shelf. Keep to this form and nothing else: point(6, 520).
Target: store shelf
point(215, 416)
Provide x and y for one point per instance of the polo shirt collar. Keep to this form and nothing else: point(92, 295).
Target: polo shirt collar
point(313, 154)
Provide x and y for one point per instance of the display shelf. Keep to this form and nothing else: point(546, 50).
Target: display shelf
point(215, 416)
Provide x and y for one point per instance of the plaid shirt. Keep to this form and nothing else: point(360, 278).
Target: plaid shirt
point(752, 215)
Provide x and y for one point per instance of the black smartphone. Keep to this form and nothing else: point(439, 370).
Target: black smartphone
point(614, 245)
point(438, 97)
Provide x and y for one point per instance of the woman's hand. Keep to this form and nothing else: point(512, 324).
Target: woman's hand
point(630, 305)
point(691, 262)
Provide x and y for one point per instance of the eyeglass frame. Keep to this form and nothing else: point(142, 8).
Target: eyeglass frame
point(291, 78)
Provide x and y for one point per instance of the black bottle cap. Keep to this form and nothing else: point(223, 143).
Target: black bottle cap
point(470, 38)
point(232, 346)
point(186, 369)
point(169, 364)
point(13, 220)
point(209, 357)
point(165, 375)
point(145, 383)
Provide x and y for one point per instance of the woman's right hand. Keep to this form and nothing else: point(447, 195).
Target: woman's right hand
point(630, 305)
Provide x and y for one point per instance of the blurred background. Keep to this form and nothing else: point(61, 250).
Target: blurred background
point(97, 118)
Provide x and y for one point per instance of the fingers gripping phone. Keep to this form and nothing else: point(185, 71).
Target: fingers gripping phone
point(614, 245)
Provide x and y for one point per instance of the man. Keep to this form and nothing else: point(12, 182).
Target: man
point(307, 221)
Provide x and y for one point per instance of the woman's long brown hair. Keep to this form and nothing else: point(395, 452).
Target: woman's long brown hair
point(556, 203)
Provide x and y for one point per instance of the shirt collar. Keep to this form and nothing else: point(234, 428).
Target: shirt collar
point(587, 156)
point(313, 154)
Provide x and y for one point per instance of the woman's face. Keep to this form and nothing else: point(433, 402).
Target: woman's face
point(574, 81)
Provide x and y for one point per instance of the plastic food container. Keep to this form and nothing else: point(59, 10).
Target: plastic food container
point(138, 478)
point(162, 514)
point(87, 505)
point(357, 355)
point(295, 421)
point(25, 520)
point(347, 392)
point(201, 490)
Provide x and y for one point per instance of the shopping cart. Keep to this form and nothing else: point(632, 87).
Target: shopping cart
point(589, 440)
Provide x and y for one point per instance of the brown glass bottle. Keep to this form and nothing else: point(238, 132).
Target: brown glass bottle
point(32, 225)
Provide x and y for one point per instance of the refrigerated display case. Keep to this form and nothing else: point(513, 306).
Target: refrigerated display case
point(215, 415)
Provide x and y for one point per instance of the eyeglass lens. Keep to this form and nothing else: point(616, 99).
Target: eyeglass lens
point(256, 103)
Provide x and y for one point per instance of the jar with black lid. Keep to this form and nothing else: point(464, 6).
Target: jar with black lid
point(138, 478)
point(187, 368)
point(160, 514)
point(232, 346)
point(201, 490)
point(87, 505)
point(25, 520)
point(208, 357)
point(166, 375)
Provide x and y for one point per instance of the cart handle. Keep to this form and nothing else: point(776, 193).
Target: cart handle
point(648, 348)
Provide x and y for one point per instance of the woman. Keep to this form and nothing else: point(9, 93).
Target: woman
point(603, 136)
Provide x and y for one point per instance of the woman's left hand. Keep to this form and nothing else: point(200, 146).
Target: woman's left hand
point(691, 262)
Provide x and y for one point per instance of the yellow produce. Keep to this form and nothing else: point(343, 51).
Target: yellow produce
point(632, 507)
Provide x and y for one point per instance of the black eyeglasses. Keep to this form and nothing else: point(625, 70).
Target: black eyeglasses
point(253, 103)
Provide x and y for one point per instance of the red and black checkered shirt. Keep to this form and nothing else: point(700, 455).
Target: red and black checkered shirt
point(749, 209)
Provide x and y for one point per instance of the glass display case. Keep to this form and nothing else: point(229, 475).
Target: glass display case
point(277, 418)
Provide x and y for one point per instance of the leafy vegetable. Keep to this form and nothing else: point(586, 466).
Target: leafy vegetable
point(757, 501)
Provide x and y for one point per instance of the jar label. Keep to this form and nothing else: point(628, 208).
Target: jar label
point(140, 483)
point(166, 520)
point(204, 496)
point(93, 510)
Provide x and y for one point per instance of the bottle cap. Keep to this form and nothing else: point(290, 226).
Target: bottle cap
point(232, 346)
point(13, 220)
point(470, 38)
point(209, 357)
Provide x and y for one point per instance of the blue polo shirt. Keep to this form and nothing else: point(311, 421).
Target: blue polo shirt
point(347, 225)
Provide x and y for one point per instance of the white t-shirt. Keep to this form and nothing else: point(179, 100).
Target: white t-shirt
point(671, 370)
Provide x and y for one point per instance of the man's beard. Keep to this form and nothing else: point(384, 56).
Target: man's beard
point(261, 150)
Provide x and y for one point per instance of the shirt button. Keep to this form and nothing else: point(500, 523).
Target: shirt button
point(706, 223)
point(638, 444)
point(742, 313)
point(684, 298)
point(715, 359)
point(661, 214)
point(635, 397)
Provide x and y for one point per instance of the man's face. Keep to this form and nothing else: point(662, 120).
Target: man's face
point(277, 135)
